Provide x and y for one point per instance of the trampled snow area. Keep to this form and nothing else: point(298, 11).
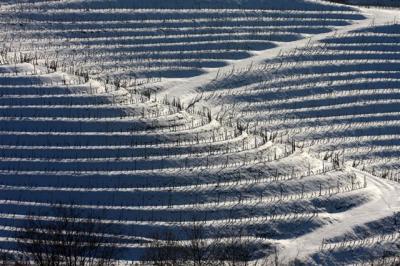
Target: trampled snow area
point(275, 122)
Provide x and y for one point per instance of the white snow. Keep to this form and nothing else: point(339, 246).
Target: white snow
point(282, 133)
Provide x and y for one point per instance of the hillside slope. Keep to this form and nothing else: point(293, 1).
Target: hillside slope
point(272, 122)
point(136, 42)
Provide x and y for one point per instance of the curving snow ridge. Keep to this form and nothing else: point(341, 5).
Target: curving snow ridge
point(336, 94)
point(384, 202)
point(260, 155)
point(136, 163)
point(145, 42)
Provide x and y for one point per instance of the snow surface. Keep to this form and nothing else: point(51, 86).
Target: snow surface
point(290, 142)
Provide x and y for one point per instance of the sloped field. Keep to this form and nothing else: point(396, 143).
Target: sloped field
point(285, 152)
point(338, 97)
point(146, 167)
point(137, 42)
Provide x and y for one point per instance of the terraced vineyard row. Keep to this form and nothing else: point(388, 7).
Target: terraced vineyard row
point(327, 93)
point(265, 159)
point(145, 45)
point(147, 174)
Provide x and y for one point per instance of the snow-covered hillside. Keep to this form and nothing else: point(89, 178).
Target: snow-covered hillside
point(337, 96)
point(142, 41)
point(147, 166)
point(275, 122)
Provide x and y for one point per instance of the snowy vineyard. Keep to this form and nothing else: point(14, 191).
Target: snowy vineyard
point(273, 128)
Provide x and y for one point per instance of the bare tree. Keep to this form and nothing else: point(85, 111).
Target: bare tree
point(164, 250)
point(236, 251)
point(198, 250)
point(66, 239)
point(7, 259)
